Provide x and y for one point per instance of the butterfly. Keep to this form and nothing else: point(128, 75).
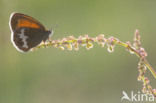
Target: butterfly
point(27, 32)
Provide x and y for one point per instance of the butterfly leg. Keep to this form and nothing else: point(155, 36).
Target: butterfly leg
point(49, 41)
point(44, 44)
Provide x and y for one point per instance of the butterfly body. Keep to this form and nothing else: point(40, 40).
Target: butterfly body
point(27, 32)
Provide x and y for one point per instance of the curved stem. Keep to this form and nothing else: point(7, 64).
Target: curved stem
point(145, 60)
point(72, 40)
point(150, 68)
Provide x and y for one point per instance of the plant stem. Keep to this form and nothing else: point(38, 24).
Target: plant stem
point(150, 68)
point(136, 53)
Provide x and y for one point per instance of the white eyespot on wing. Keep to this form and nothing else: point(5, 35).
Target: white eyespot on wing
point(24, 38)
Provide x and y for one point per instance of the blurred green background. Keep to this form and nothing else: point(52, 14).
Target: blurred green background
point(85, 76)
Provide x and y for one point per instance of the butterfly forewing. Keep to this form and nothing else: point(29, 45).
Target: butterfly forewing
point(21, 20)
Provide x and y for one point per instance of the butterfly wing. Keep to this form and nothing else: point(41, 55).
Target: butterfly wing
point(27, 32)
point(18, 20)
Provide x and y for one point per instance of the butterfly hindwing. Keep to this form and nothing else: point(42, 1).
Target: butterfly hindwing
point(27, 38)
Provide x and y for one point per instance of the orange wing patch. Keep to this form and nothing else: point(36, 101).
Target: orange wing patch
point(26, 23)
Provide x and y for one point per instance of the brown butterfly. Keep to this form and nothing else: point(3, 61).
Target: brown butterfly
point(26, 32)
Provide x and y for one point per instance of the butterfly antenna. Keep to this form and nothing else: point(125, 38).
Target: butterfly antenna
point(53, 27)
